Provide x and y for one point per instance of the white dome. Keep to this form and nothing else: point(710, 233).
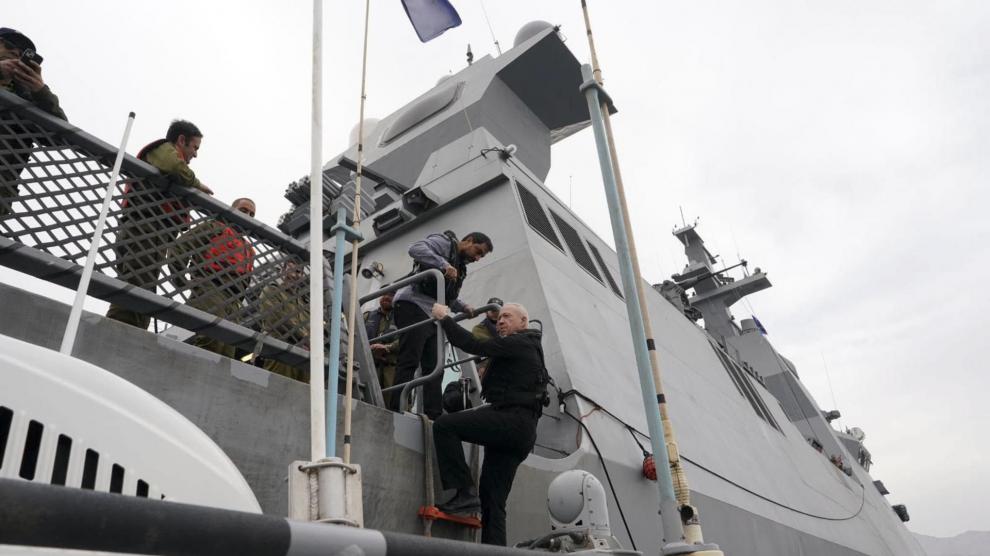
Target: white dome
point(369, 127)
point(529, 31)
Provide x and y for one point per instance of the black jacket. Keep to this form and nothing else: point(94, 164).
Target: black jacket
point(516, 375)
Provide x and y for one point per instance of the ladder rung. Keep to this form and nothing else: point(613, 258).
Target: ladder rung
point(432, 513)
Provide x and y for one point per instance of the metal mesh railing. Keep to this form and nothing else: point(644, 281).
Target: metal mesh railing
point(167, 251)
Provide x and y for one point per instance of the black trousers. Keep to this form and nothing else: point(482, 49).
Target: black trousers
point(508, 436)
point(417, 348)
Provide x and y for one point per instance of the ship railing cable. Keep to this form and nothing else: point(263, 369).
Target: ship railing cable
point(168, 252)
point(633, 432)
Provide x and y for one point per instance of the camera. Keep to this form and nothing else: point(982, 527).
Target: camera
point(30, 56)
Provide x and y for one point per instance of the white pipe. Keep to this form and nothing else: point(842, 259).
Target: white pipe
point(317, 414)
point(72, 327)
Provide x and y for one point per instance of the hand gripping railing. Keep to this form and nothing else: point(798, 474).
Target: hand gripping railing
point(168, 251)
point(407, 387)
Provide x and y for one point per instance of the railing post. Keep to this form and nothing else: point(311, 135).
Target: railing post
point(438, 370)
point(72, 326)
point(343, 233)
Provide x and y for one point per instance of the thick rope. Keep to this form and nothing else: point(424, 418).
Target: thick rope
point(352, 309)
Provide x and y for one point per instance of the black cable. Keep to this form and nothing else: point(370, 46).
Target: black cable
point(862, 501)
point(605, 469)
point(632, 430)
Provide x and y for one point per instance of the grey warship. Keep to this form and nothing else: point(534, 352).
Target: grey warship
point(768, 472)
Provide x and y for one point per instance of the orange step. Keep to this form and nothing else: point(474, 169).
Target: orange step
point(434, 514)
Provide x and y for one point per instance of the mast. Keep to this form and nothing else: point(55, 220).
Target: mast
point(317, 419)
point(672, 477)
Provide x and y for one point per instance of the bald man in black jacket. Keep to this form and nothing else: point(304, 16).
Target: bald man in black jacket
point(515, 388)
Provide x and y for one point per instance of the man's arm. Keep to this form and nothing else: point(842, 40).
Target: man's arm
point(48, 101)
point(169, 162)
point(28, 76)
point(509, 346)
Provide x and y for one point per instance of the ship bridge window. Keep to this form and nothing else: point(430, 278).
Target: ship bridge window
point(740, 379)
point(536, 218)
point(576, 246)
point(606, 271)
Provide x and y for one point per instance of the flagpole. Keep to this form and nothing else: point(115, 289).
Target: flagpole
point(352, 308)
point(317, 420)
point(692, 529)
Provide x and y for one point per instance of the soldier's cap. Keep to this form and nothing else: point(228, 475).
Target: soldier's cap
point(17, 39)
point(496, 300)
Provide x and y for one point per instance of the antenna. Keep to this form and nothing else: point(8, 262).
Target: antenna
point(490, 30)
point(470, 55)
point(828, 377)
point(683, 222)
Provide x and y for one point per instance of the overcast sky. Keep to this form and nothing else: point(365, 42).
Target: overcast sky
point(841, 146)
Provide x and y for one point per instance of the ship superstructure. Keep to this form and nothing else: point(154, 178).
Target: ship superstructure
point(768, 472)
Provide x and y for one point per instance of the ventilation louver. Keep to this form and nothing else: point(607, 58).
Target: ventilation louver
point(745, 387)
point(576, 246)
point(24, 455)
point(606, 271)
point(536, 218)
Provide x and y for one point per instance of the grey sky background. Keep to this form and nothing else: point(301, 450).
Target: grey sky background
point(841, 146)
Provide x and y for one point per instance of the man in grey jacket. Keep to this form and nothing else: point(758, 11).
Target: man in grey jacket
point(413, 303)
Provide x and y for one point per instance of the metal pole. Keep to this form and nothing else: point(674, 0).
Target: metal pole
point(72, 327)
point(317, 421)
point(670, 520)
point(693, 532)
point(334, 363)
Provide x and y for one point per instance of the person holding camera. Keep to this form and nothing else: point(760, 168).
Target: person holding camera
point(515, 389)
point(20, 74)
point(413, 303)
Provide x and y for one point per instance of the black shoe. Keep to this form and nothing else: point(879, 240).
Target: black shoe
point(466, 501)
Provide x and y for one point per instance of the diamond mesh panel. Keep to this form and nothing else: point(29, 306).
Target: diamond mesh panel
point(160, 236)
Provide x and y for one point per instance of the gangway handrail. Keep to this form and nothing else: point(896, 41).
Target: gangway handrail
point(457, 318)
point(52, 178)
point(441, 299)
point(438, 370)
point(440, 362)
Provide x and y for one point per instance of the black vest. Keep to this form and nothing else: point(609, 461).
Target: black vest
point(518, 381)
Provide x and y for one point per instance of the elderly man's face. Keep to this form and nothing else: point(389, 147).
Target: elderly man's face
point(510, 321)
